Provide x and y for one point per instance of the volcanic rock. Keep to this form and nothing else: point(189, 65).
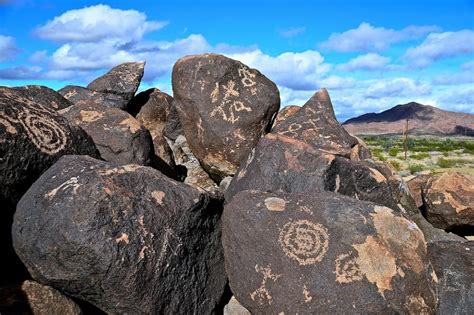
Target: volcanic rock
point(324, 253)
point(153, 115)
point(224, 108)
point(125, 238)
point(119, 137)
point(315, 123)
point(285, 113)
point(449, 201)
point(416, 186)
point(453, 264)
point(76, 94)
point(44, 96)
point(234, 308)
point(360, 151)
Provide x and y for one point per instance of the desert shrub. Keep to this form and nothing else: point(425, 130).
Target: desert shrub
point(419, 156)
point(396, 165)
point(446, 163)
point(415, 168)
point(393, 152)
point(445, 154)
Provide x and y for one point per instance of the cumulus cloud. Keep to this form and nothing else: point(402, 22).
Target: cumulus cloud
point(396, 87)
point(8, 48)
point(292, 32)
point(368, 62)
point(368, 38)
point(96, 23)
point(439, 46)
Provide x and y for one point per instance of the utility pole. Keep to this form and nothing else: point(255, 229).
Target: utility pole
point(405, 139)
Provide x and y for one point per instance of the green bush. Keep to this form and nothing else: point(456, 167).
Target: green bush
point(419, 156)
point(446, 163)
point(445, 154)
point(396, 165)
point(393, 152)
point(415, 168)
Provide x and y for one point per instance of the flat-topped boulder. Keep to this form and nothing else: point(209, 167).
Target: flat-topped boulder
point(44, 95)
point(224, 108)
point(76, 94)
point(125, 238)
point(324, 253)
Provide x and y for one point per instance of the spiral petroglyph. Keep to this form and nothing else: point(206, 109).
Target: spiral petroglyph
point(304, 241)
point(43, 131)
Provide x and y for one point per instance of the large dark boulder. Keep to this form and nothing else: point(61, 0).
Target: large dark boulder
point(285, 113)
point(454, 266)
point(76, 94)
point(119, 137)
point(32, 138)
point(44, 95)
point(122, 80)
point(124, 238)
point(449, 202)
point(316, 124)
point(224, 108)
point(324, 253)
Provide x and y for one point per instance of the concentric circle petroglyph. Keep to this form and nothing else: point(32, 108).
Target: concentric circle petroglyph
point(43, 131)
point(304, 241)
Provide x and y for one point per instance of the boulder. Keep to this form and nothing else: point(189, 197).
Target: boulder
point(125, 238)
point(449, 202)
point(416, 186)
point(224, 108)
point(234, 308)
point(31, 297)
point(360, 151)
point(77, 94)
point(453, 264)
point(316, 124)
point(119, 137)
point(44, 95)
point(32, 138)
point(324, 253)
point(122, 80)
point(153, 115)
point(285, 113)
point(173, 128)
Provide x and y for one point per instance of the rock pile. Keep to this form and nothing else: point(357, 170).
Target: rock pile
point(152, 203)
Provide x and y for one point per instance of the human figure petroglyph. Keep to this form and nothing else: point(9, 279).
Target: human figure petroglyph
point(261, 294)
point(304, 241)
point(236, 106)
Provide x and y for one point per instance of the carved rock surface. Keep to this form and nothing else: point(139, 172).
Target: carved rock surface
point(44, 96)
point(125, 238)
point(224, 108)
point(153, 114)
point(324, 254)
point(449, 201)
point(285, 113)
point(76, 94)
point(122, 80)
point(315, 123)
point(454, 266)
point(119, 137)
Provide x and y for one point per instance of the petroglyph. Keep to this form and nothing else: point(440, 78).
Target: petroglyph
point(215, 93)
point(347, 269)
point(275, 204)
point(158, 196)
point(248, 79)
point(43, 131)
point(307, 295)
point(122, 238)
point(8, 123)
point(292, 130)
point(70, 183)
point(170, 242)
point(261, 294)
point(304, 241)
point(120, 169)
point(229, 90)
point(90, 115)
point(228, 100)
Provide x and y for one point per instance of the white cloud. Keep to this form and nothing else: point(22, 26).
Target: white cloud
point(292, 32)
point(368, 38)
point(97, 23)
point(368, 62)
point(441, 45)
point(8, 48)
point(396, 87)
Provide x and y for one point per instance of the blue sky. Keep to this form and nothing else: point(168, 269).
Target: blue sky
point(371, 55)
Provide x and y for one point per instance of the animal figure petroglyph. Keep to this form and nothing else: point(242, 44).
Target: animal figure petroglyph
point(261, 294)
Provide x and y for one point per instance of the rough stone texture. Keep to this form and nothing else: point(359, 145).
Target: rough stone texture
point(281, 164)
point(122, 80)
point(77, 94)
point(32, 138)
point(315, 123)
point(119, 137)
point(44, 96)
point(285, 113)
point(360, 151)
point(124, 238)
point(153, 115)
point(416, 186)
point(234, 308)
point(324, 254)
point(173, 128)
point(224, 108)
point(453, 263)
point(195, 175)
point(449, 201)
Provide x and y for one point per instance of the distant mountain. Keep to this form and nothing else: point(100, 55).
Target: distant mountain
point(422, 119)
